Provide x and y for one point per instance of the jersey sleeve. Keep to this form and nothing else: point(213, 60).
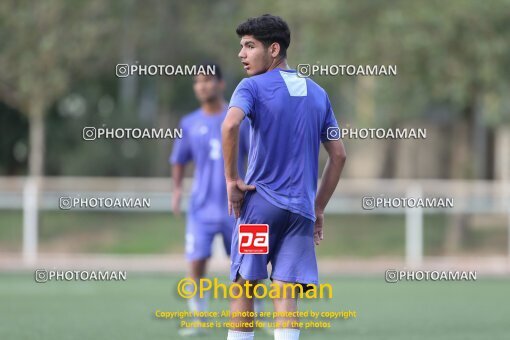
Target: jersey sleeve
point(330, 126)
point(244, 97)
point(244, 147)
point(181, 152)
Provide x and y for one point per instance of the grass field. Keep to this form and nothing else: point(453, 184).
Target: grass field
point(150, 233)
point(125, 310)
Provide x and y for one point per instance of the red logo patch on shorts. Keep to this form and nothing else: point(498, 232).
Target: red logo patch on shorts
point(253, 238)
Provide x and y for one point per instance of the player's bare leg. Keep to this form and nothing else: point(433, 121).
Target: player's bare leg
point(198, 269)
point(197, 272)
point(242, 304)
point(196, 304)
point(286, 303)
point(258, 308)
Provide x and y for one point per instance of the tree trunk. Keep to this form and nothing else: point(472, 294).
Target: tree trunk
point(36, 140)
point(468, 162)
point(128, 86)
point(31, 192)
point(478, 139)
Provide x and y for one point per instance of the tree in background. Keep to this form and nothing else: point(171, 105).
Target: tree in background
point(44, 45)
point(451, 59)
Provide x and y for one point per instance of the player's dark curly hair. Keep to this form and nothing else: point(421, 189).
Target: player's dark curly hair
point(268, 29)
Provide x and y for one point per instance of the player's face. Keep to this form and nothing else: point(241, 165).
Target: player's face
point(207, 88)
point(255, 57)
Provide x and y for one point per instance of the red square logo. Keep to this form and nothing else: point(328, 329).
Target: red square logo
point(253, 238)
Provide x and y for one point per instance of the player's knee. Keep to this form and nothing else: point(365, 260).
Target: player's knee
point(241, 280)
point(247, 286)
point(287, 290)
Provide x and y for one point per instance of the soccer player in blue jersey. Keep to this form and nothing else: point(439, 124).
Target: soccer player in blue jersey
point(289, 118)
point(207, 212)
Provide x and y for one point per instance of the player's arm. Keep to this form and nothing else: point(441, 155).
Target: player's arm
point(230, 145)
point(244, 148)
point(181, 155)
point(329, 181)
point(177, 179)
point(230, 141)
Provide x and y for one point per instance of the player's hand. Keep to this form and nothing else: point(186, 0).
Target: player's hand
point(176, 202)
point(317, 231)
point(235, 192)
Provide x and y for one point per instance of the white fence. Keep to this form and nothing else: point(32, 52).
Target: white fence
point(473, 197)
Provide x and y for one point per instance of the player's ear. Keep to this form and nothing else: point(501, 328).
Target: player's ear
point(274, 49)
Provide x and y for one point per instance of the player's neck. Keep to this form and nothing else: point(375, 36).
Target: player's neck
point(214, 107)
point(282, 64)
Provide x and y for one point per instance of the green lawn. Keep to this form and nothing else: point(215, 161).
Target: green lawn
point(125, 310)
point(149, 233)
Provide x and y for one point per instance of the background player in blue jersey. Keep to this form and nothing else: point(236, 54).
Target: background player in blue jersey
point(207, 211)
point(289, 117)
